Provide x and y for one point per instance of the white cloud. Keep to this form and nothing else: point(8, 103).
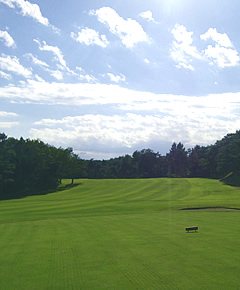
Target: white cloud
point(39, 79)
point(223, 53)
point(5, 75)
point(83, 76)
point(185, 65)
point(181, 35)
point(105, 130)
point(8, 125)
point(148, 16)
point(129, 31)
point(7, 114)
point(55, 50)
point(102, 94)
point(36, 60)
point(158, 117)
point(8, 2)
point(222, 56)
point(129, 130)
point(56, 74)
point(28, 9)
point(79, 69)
point(220, 38)
point(12, 64)
point(61, 66)
point(182, 50)
point(117, 78)
point(89, 37)
point(9, 42)
point(31, 10)
point(87, 78)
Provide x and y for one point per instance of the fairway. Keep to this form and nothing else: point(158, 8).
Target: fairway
point(123, 234)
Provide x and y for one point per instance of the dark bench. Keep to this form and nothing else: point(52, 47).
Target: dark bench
point(191, 229)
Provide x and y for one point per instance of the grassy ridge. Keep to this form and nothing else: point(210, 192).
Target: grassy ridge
point(122, 234)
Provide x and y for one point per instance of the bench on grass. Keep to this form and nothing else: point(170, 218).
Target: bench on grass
point(191, 229)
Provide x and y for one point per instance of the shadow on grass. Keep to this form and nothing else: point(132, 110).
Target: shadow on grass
point(66, 186)
point(211, 208)
point(20, 195)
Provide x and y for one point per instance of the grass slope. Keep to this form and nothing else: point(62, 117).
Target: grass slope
point(122, 234)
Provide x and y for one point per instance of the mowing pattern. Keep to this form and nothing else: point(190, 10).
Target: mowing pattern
point(122, 234)
point(118, 196)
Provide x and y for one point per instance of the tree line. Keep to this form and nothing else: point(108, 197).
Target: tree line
point(218, 161)
point(29, 166)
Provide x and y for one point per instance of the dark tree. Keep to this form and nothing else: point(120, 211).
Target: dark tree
point(31, 166)
point(177, 161)
point(7, 163)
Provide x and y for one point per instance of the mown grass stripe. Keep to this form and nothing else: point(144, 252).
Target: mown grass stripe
point(122, 234)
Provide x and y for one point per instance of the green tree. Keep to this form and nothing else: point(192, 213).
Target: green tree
point(7, 163)
point(197, 161)
point(228, 157)
point(177, 161)
point(148, 163)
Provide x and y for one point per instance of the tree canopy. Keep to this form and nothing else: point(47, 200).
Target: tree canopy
point(31, 166)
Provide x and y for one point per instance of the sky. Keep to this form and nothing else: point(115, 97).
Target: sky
point(110, 77)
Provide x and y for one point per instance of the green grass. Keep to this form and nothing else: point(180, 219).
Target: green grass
point(122, 234)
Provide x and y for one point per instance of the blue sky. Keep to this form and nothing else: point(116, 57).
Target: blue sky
point(111, 77)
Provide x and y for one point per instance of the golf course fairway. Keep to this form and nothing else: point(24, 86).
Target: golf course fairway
point(123, 234)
